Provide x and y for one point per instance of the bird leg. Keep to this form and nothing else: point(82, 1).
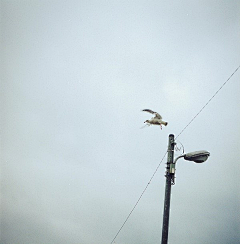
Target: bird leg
point(160, 126)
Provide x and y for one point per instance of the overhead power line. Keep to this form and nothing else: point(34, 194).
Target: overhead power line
point(166, 152)
point(139, 198)
point(208, 102)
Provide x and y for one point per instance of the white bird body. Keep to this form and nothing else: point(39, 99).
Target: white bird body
point(157, 120)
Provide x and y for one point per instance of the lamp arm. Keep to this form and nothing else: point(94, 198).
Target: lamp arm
point(181, 156)
point(172, 165)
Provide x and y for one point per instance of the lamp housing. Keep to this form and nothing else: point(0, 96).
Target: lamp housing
point(197, 156)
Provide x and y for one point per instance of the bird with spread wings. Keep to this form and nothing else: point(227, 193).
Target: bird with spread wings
point(157, 120)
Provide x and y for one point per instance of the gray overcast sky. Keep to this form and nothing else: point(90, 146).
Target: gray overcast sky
point(74, 161)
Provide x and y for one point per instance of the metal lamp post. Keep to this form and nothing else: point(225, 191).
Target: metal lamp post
point(197, 157)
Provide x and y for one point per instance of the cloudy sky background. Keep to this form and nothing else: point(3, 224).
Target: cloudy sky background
point(74, 78)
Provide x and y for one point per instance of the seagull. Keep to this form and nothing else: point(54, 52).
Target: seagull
point(157, 120)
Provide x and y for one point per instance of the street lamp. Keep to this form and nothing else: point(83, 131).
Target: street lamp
point(197, 157)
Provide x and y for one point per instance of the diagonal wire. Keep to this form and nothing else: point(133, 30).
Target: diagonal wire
point(208, 102)
point(139, 198)
point(166, 151)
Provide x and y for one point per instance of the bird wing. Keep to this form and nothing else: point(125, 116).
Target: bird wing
point(157, 115)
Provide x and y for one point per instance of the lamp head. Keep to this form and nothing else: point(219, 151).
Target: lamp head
point(198, 156)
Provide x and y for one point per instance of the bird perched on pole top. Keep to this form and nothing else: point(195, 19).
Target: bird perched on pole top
point(157, 120)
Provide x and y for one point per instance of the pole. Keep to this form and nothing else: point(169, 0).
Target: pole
point(169, 178)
